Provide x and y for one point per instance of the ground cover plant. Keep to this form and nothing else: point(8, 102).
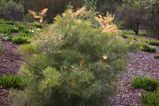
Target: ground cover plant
point(11, 81)
point(147, 84)
point(19, 32)
point(141, 42)
point(149, 98)
point(73, 62)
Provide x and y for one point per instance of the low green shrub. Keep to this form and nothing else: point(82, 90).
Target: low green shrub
point(37, 25)
point(150, 99)
point(18, 39)
point(148, 48)
point(11, 81)
point(4, 28)
point(147, 84)
point(154, 42)
point(9, 27)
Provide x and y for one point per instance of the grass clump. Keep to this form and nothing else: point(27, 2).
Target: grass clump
point(20, 39)
point(154, 42)
point(147, 84)
point(18, 32)
point(148, 48)
point(37, 25)
point(150, 99)
point(11, 81)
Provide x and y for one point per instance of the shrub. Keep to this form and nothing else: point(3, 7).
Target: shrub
point(130, 15)
point(148, 48)
point(13, 11)
point(147, 84)
point(18, 39)
point(150, 99)
point(37, 25)
point(11, 81)
point(4, 28)
point(154, 42)
point(73, 63)
point(152, 16)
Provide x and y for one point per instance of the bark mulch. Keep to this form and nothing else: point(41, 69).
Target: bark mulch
point(9, 64)
point(140, 64)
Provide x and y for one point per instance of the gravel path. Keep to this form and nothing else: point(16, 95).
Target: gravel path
point(9, 64)
point(140, 64)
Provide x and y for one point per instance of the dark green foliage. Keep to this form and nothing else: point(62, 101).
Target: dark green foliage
point(150, 99)
point(154, 42)
point(148, 48)
point(130, 15)
point(107, 5)
point(9, 27)
point(18, 32)
point(37, 25)
point(11, 81)
point(12, 11)
point(20, 39)
point(4, 28)
point(136, 14)
point(147, 84)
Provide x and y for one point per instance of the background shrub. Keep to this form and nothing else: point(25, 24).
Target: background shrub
point(140, 14)
point(13, 11)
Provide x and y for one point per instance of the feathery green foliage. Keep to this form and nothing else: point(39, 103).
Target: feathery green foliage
point(73, 63)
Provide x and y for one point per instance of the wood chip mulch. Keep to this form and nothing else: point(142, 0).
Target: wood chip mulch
point(9, 64)
point(140, 64)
